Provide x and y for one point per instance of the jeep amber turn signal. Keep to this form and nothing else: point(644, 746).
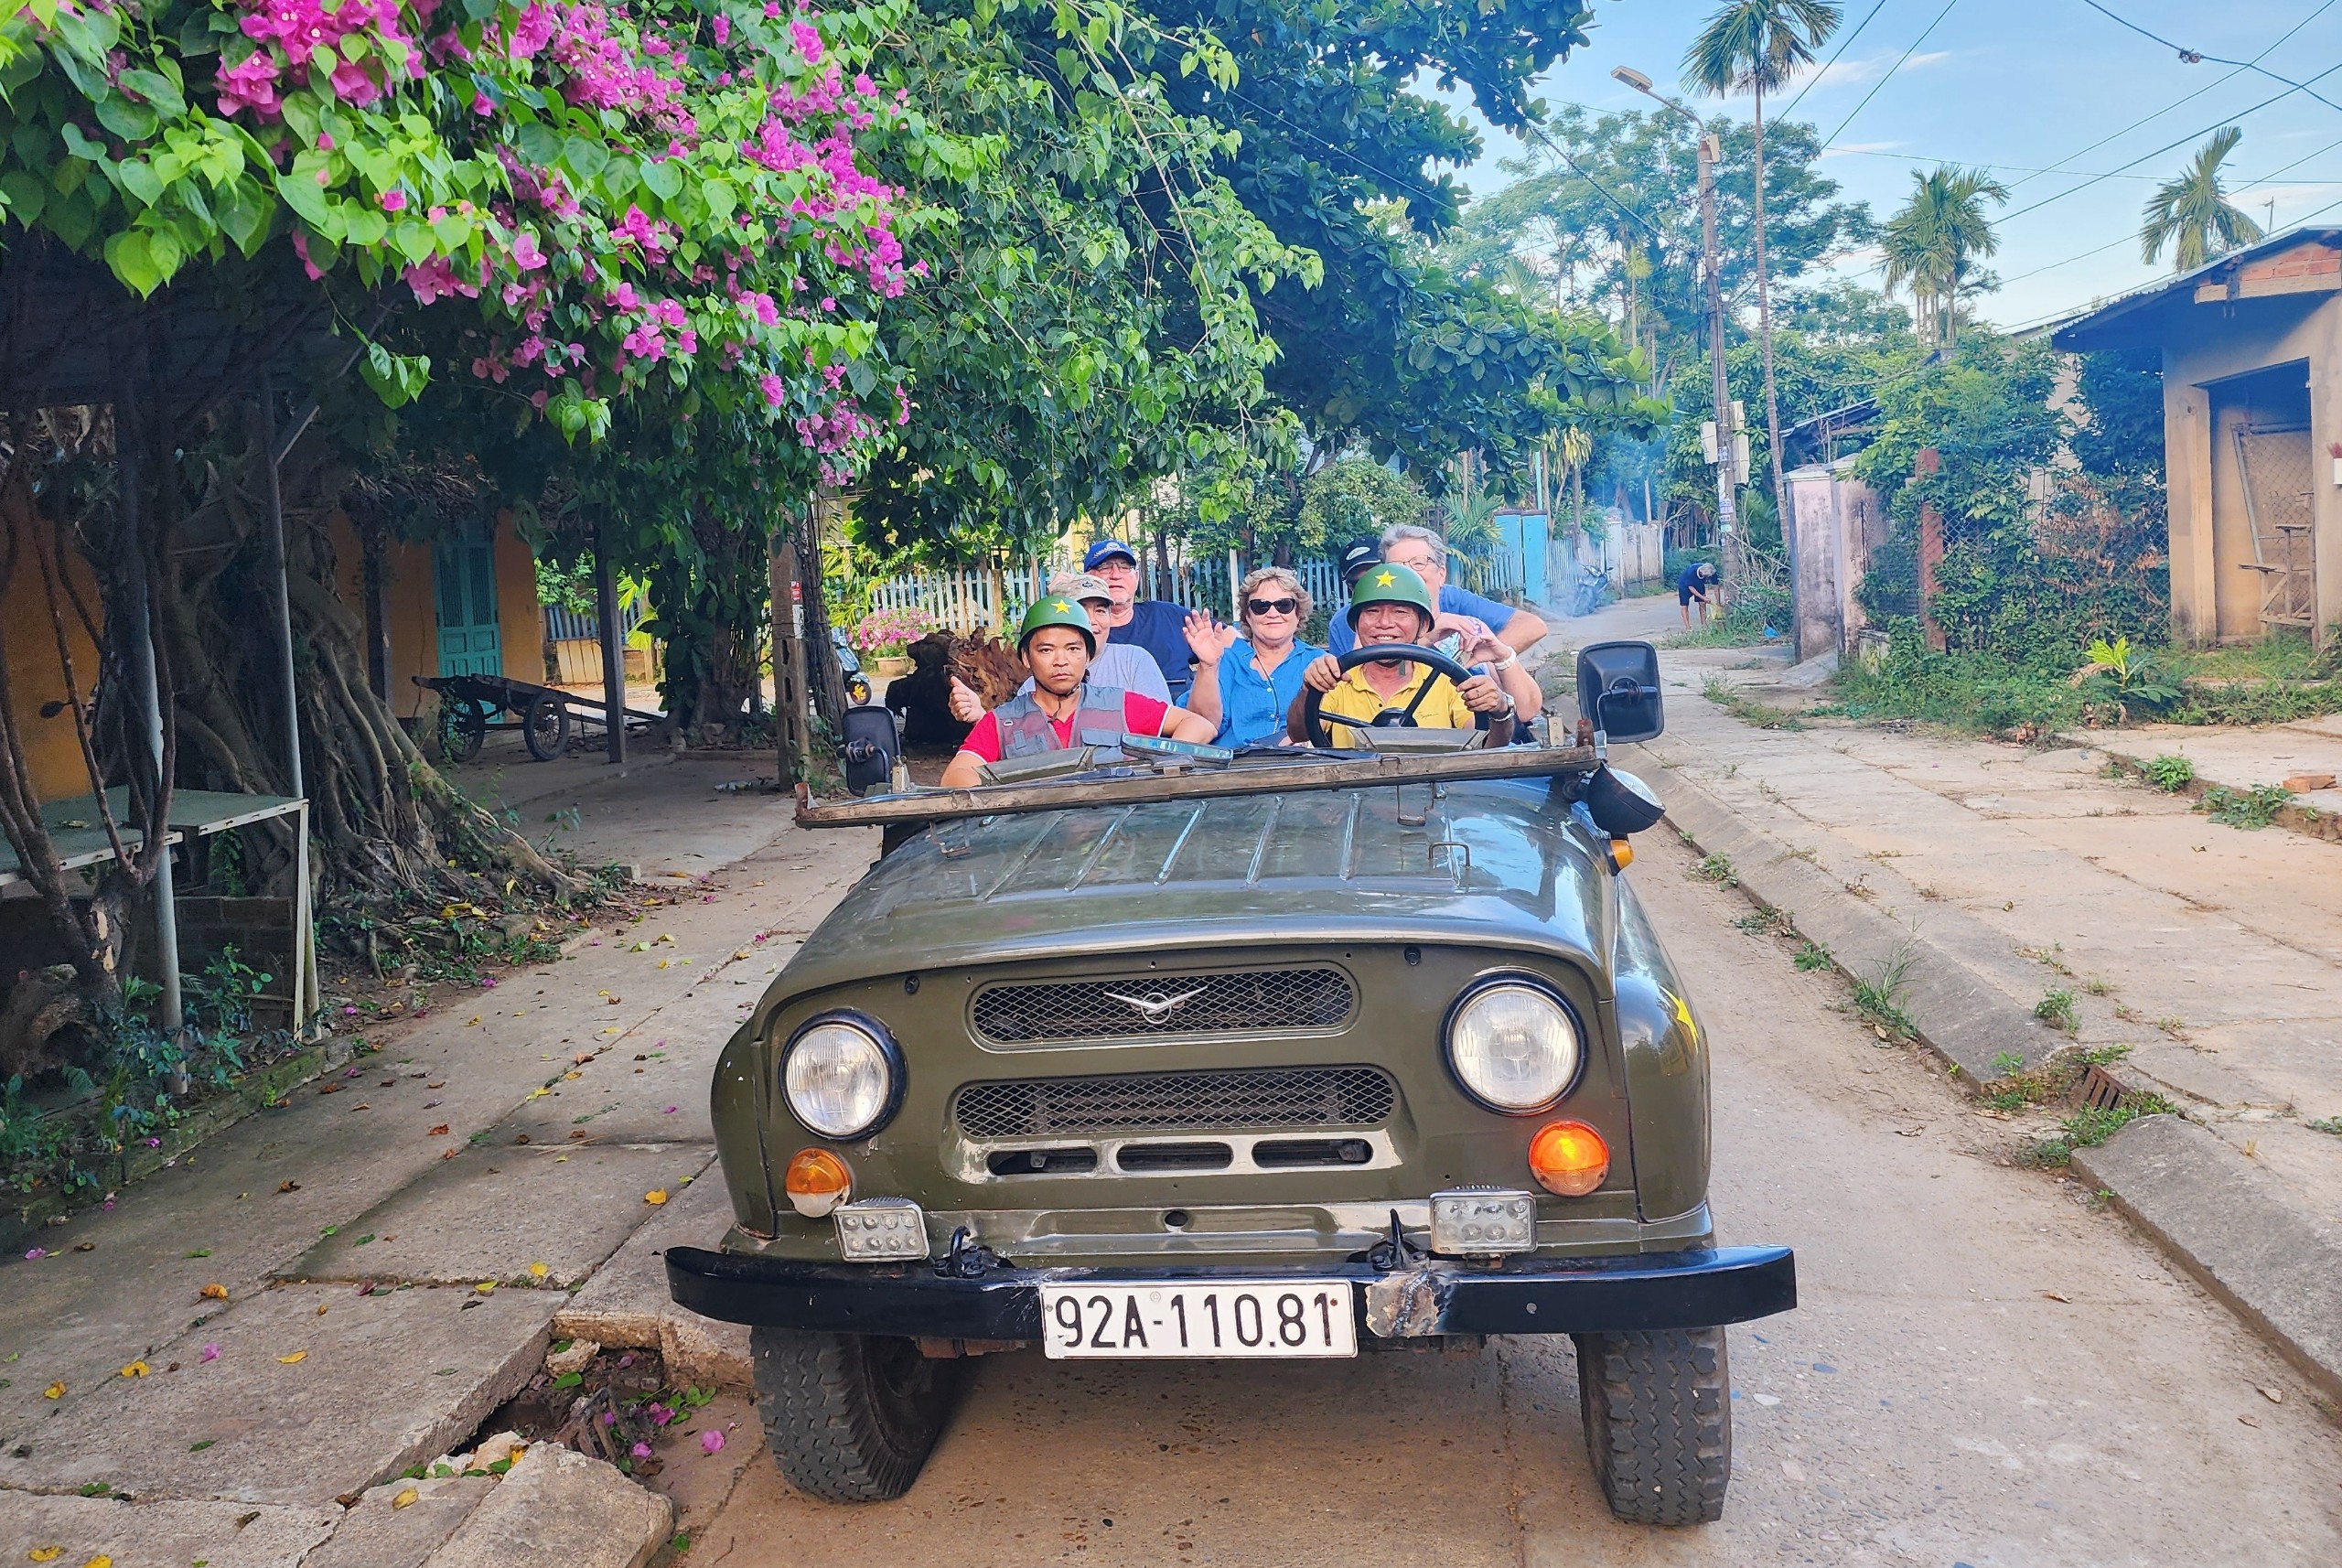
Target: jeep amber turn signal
point(817, 1182)
point(1569, 1158)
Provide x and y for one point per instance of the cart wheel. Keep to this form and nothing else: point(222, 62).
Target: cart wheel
point(463, 727)
point(545, 727)
point(857, 688)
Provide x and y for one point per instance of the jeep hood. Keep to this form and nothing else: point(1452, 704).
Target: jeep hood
point(1495, 863)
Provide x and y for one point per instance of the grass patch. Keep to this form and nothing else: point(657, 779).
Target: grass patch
point(1879, 1000)
point(2169, 774)
point(2250, 809)
point(2092, 1125)
point(1718, 869)
point(1811, 956)
point(1745, 708)
point(2327, 1124)
point(2056, 1010)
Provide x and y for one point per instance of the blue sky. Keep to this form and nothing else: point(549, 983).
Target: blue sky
point(2022, 86)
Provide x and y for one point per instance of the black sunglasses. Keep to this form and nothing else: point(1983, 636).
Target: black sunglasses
point(1272, 606)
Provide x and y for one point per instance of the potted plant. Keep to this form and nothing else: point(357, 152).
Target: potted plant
point(882, 636)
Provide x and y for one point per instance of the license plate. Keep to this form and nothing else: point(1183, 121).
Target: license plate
point(1296, 1319)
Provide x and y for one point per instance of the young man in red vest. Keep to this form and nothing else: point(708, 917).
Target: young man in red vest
point(1057, 645)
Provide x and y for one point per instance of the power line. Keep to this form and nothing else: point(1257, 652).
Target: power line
point(2183, 141)
point(2197, 57)
point(2043, 320)
point(2187, 98)
point(1883, 81)
point(1843, 45)
point(1607, 195)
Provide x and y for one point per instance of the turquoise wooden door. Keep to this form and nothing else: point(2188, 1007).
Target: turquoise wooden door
point(464, 569)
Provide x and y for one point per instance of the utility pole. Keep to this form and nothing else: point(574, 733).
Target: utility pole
point(1727, 438)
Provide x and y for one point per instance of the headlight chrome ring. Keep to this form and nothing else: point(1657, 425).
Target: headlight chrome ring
point(842, 1075)
point(1514, 1045)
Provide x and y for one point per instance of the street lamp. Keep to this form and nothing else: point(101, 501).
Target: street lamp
point(1727, 443)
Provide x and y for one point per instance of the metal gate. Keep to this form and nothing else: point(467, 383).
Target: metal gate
point(2274, 465)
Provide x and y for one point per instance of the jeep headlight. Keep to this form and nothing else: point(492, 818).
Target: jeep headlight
point(842, 1076)
point(1513, 1045)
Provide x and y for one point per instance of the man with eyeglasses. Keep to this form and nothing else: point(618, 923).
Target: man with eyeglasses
point(1156, 626)
point(1256, 678)
point(1462, 615)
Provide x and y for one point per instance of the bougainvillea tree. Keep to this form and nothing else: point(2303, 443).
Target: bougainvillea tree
point(534, 227)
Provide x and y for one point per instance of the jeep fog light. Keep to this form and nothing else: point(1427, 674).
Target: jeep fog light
point(881, 1229)
point(1513, 1045)
point(817, 1181)
point(1474, 1221)
point(1569, 1158)
point(842, 1076)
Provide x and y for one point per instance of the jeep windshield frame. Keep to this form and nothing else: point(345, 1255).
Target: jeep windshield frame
point(1138, 783)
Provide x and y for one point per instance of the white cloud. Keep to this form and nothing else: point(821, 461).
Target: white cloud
point(1862, 72)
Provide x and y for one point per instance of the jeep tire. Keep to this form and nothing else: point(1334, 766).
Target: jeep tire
point(1659, 1423)
point(849, 1417)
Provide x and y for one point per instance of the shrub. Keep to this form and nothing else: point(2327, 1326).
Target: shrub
point(888, 632)
point(2169, 774)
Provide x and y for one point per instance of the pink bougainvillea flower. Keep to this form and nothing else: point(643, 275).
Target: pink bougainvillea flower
point(642, 1451)
point(711, 1442)
point(394, 201)
point(211, 1353)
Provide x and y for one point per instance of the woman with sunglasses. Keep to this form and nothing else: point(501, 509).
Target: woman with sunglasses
point(1257, 676)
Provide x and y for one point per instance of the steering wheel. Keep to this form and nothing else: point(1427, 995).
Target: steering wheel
point(1313, 719)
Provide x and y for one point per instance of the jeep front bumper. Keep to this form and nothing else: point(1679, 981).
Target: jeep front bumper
point(1526, 1294)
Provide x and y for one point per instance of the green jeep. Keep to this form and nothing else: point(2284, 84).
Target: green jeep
point(1191, 1053)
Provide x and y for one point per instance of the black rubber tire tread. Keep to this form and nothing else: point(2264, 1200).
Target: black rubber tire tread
point(1658, 1413)
point(545, 750)
point(838, 1429)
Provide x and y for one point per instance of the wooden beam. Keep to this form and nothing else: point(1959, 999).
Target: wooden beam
point(1262, 778)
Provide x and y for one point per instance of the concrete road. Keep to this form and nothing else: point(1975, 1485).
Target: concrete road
point(1986, 1370)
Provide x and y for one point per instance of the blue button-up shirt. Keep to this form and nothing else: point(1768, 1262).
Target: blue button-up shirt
point(1253, 706)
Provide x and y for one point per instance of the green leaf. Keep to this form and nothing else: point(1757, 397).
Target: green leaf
point(585, 159)
point(537, 142)
point(133, 261)
point(721, 198)
point(138, 177)
point(71, 215)
point(621, 176)
point(243, 216)
point(569, 1380)
point(415, 240)
point(131, 121)
point(26, 196)
point(159, 91)
point(663, 178)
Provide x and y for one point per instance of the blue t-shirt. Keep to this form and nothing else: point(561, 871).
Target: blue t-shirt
point(1155, 625)
point(1455, 601)
point(1253, 706)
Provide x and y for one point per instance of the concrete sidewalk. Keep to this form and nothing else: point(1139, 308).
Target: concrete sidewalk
point(1979, 882)
point(329, 1293)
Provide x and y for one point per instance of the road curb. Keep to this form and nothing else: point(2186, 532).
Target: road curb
point(2307, 820)
point(2231, 1226)
point(1955, 1008)
point(2235, 1229)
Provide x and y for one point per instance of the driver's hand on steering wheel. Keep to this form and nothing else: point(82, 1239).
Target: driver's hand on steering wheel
point(1482, 696)
point(1325, 673)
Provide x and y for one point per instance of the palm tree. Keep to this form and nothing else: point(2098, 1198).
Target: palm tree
point(1758, 45)
point(2193, 214)
point(1934, 242)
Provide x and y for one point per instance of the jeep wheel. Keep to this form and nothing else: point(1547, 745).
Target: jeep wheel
point(1659, 1423)
point(849, 1417)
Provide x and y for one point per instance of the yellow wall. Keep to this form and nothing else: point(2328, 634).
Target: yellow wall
point(28, 646)
point(409, 595)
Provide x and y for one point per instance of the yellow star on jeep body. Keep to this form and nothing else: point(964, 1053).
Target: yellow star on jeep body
point(1385, 580)
point(1062, 608)
point(1682, 1010)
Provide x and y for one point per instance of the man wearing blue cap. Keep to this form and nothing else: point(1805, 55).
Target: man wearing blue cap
point(1155, 625)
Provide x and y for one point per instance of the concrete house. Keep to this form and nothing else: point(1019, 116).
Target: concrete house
point(2251, 349)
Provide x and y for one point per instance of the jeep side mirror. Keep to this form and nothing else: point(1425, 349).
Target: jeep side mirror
point(872, 744)
point(1617, 689)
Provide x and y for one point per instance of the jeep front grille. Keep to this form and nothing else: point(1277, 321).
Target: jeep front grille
point(1246, 1001)
point(1230, 1101)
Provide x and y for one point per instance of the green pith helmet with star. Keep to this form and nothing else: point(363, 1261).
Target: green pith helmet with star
point(1389, 584)
point(1056, 609)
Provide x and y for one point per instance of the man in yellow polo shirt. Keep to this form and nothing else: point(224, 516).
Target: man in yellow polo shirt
point(1390, 605)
